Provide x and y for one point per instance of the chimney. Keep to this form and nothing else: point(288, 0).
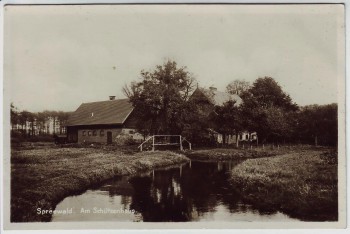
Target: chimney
point(111, 98)
point(212, 88)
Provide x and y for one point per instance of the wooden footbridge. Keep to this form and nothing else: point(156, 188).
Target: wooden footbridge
point(166, 140)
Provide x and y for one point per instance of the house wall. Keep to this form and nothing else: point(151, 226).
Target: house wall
point(230, 139)
point(72, 134)
point(99, 135)
point(246, 136)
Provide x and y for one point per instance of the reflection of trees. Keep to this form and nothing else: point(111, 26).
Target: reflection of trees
point(208, 184)
point(171, 197)
point(181, 194)
point(119, 186)
point(125, 201)
point(158, 200)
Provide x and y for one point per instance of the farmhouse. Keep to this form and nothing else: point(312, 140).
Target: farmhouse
point(214, 97)
point(104, 122)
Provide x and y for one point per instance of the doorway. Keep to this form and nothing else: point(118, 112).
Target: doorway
point(109, 137)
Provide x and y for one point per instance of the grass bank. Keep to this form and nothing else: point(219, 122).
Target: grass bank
point(302, 184)
point(42, 177)
point(222, 154)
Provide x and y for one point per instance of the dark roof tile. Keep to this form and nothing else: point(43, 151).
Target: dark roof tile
point(105, 112)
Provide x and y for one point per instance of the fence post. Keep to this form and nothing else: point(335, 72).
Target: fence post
point(181, 143)
point(153, 144)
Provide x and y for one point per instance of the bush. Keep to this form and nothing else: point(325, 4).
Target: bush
point(125, 139)
point(298, 183)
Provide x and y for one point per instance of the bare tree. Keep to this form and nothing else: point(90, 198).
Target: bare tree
point(238, 87)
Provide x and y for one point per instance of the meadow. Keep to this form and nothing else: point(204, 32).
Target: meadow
point(301, 181)
point(302, 184)
point(230, 153)
point(42, 175)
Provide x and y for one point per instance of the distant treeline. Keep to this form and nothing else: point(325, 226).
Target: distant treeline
point(25, 124)
point(317, 124)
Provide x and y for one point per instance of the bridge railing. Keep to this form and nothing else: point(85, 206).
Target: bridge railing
point(167, 140)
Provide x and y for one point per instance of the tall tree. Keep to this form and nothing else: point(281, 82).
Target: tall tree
point(54, 117)
point(159, 97)
point(195, 122)
point(318, 124)
point(266, 108)
point(24, 117)
point(228, 119)
point(41, 120)
point(266, 92)
point(62, 120)
point(238, 87)
point(32, 122)
point(14, 116)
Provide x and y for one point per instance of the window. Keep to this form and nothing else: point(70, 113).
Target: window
point(102, 133)
point(89, 133)
point(247, 137)
point(94, 133)
point(84, 133)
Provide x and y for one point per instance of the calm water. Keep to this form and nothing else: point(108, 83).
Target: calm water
point(197, 191)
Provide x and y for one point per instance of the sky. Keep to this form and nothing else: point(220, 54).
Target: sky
point(57, 57)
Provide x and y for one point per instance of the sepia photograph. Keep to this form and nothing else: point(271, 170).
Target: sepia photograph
point(210, 115)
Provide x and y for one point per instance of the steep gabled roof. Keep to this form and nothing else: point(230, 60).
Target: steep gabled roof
point(105, 112)
point(218, 98)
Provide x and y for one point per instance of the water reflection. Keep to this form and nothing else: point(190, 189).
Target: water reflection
point(197, 191)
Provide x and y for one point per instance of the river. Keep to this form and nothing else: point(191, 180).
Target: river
point(196, 191)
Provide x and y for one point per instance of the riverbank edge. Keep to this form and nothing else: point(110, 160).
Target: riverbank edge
point(86, 181)
point(226, 154)
point(300, 193)
point(217, 155)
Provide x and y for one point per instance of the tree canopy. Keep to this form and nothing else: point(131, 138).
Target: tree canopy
point(162, 102)
point(160, 97)
point(318, 124)
point(266, 93)
point(266, 108)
